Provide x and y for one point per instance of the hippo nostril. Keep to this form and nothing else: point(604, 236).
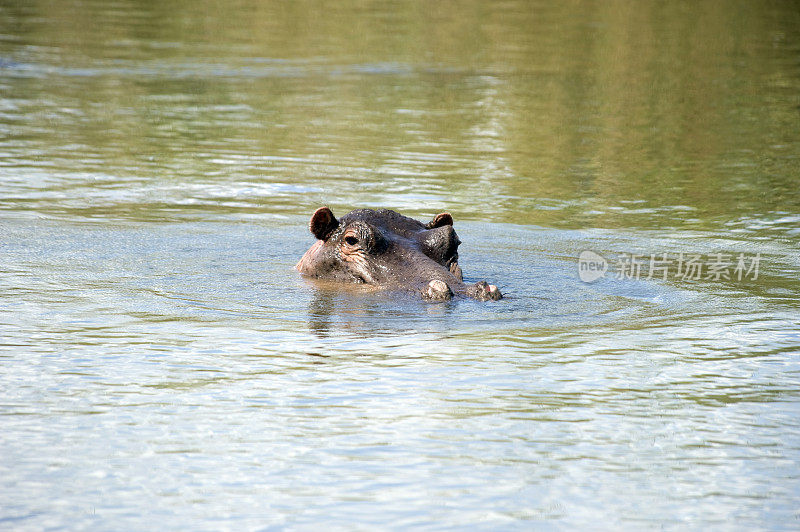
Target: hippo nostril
point(484, 291)
point(438, 285)
point(437, 290)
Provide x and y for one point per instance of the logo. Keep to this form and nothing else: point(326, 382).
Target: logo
point(664, 266)
point(591, 266)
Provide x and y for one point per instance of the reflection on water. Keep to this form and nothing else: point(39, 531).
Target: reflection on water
point(602, 115)
point(161, 363)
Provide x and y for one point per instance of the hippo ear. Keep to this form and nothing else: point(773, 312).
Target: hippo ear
point(439, 220)
point(323, 223)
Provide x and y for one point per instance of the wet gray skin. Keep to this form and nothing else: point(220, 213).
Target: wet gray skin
point(386, 249)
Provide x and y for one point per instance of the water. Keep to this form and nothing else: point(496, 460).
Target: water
point(162, 365)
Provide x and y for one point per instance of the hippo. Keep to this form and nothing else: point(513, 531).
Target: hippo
point(388, 250)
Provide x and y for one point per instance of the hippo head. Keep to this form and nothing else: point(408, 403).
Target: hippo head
point(387, 249)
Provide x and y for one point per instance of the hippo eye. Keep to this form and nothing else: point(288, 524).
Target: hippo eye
point(351, 240)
